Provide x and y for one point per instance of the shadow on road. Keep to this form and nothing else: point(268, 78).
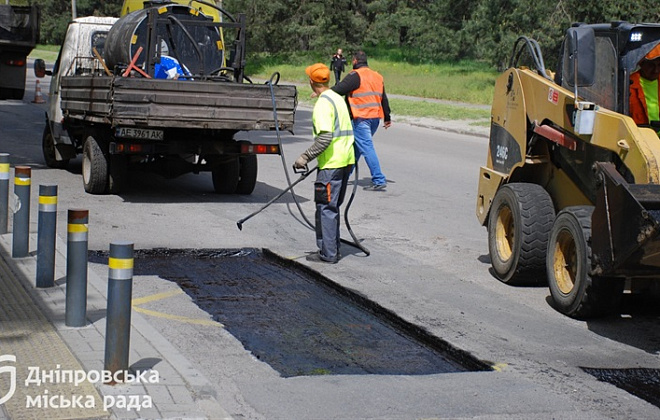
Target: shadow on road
point(636, 325)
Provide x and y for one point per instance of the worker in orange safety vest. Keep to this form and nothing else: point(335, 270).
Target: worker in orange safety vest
point(644, 104)
point(365, 91)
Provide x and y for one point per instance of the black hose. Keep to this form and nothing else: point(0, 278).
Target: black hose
point(279, 142)
point(356, 242)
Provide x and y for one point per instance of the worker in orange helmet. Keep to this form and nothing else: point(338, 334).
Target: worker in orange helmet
point(644, 89)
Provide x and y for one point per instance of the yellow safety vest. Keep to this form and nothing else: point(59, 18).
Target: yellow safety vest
point(331, 115)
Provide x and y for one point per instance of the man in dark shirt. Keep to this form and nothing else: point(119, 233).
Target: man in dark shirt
point(338, 64)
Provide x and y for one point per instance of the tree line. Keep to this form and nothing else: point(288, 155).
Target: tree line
point(410, 30)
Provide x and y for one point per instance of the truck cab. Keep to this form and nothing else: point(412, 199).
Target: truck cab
point(76, 57)
point(19, 33)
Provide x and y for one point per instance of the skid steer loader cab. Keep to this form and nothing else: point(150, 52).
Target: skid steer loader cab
point(570, 193)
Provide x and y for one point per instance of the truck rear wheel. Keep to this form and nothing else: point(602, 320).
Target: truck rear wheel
point(48, 148)
point(247, 174)
point(94, 167)
point(574, 291)
point(226, 176)
point(519, 224)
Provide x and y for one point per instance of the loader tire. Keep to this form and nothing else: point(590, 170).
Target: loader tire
point(226, 176)
point(247, 174)
point(48, 149)
point(94, 167)
point(519, 225)
point(574, 291)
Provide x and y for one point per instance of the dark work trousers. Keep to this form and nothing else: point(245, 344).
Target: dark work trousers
point(329, 192)
point(337, 76)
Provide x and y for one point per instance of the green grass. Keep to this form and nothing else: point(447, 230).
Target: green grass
point(439, 111)
point(48, 53)
point(469, 82)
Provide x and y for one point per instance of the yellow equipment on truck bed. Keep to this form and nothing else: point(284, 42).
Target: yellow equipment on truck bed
point(570, 192)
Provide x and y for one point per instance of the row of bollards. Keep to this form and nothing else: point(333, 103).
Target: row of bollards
point(120, 262)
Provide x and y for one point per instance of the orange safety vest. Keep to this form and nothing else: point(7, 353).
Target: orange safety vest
point(637, 102)
point(366, 100)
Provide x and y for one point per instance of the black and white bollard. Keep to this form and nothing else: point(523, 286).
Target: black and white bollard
point(75, 313)
point(46, 231)
point(21, 234)
point(4, 192)
point(118, 319)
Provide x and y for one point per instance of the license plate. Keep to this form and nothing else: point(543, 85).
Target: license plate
point(139, 133)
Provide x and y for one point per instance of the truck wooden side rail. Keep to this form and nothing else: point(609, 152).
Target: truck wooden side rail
point(141, 102)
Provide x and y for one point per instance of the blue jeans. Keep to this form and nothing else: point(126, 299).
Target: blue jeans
point(363, 130)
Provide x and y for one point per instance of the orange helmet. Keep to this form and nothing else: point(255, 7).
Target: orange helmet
point(653, 54)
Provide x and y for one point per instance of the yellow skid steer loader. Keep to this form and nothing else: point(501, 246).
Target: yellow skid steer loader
point(570, 193)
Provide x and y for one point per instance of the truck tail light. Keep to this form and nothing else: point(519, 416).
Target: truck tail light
point(260, 149)
point(126, 148)
point(15, 62)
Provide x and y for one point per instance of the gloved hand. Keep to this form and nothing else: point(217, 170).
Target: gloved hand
point(300, 162)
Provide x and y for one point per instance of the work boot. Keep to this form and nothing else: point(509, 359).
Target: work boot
point(316, 257)
point(375, 187)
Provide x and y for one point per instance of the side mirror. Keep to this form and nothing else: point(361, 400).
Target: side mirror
point(581, 49)
point(40, 68)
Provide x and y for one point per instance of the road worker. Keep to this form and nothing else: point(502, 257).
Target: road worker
point(333, 149)
point(644, 89)
point(365, 91)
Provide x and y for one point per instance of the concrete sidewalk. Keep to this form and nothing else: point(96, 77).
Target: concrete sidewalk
point(57, 368)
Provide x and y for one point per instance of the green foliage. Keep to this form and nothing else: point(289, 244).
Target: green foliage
point(56, 14)
point(413, 31)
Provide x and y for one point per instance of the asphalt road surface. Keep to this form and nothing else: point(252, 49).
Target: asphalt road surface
point(429, 265)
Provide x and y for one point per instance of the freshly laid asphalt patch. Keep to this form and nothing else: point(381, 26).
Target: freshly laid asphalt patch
point(641, 382)
point(296, 320)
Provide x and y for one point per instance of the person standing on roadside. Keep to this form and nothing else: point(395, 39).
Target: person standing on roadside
point(338, 64)
point(334, 151)
point(365, 92)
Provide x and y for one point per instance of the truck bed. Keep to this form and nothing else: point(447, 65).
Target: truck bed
point(141, 102)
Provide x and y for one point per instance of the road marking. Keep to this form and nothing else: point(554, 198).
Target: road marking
point(157, 296)
point(165, 295)
point(183, 319)
point(499, 367)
